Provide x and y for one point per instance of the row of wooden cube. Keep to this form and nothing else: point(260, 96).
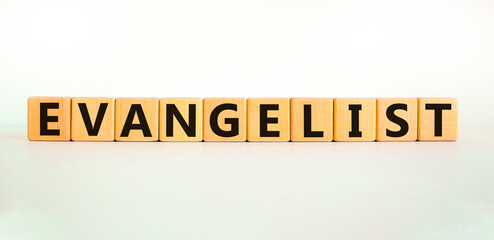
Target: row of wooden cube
point(240, 119)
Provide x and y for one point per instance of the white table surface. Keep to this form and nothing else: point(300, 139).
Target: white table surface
point(121, 190)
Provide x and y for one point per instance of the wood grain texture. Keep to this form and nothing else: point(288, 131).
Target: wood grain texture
point(321, 119)
point(282, 116)
point(150, 109)
point(384, 124)
point(182, 105)
point(447, 129)
point(57, 111)
point(342, 117)
point(224, 119)
point(106, 131)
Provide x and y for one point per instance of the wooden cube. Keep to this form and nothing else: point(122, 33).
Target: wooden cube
point(438, 119)
point(268, 119)
point(181, 119)
point(93, 119)
point(396, 119)
point(136, 119)
point(224, 120)
point(49, 118)
point(354, 119)
point(311, 119)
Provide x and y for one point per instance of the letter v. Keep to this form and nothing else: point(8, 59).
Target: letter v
point(93, 130)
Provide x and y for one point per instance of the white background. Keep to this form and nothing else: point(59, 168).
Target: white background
point(359, 48)
point(356, 48)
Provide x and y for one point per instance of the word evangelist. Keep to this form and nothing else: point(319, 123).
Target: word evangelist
point(240, 119)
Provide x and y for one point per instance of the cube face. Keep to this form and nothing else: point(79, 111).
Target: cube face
point(396, 119)
point(224, 120)
point(93, 119)
point(438, 119)
point(49, 118)
point(354, 119)
point(311, 119)
point(180, 119)
point(136, 119)
point(268, 119)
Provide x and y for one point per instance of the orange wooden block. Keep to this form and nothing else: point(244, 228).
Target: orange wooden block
point(181, 119)
point(49, 118)
point(136, 119)
point(396, 119)
point(354, 119)
point(311, 119)
point(93, 119)
point(268, 119)
point(224, 120)
point(438, 119)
